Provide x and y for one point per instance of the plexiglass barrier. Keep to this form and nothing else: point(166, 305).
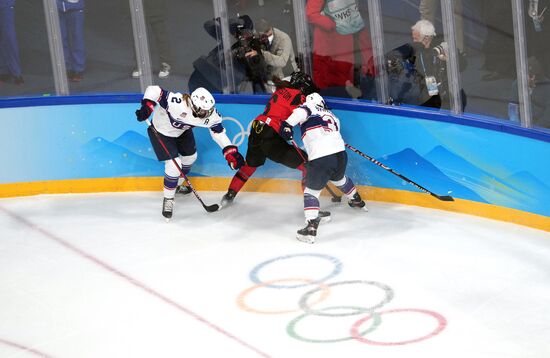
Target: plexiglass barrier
point(484, 58)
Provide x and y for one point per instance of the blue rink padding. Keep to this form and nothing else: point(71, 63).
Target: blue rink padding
point(470, 157)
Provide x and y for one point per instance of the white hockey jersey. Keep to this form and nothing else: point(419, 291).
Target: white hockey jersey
point(173, 115)
point(320, 130)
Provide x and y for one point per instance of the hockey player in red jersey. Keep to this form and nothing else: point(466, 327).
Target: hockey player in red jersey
point(264, 141)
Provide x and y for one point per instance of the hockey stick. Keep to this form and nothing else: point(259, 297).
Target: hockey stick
point(208, 208)
point(440, 197)
point(335, 198)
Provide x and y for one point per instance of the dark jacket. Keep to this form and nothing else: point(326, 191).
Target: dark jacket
point(410, 65)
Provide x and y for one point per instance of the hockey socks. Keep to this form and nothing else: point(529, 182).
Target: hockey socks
point(241, 177)
point(346, 186)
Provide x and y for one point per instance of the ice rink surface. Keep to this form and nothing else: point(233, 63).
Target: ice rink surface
point(103, 276)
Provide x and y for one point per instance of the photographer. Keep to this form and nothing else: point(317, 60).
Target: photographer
point(278, 51)
point(418, 71)
point(248, 52)
point(207, 69)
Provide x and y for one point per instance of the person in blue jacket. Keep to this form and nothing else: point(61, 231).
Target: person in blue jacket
point(71, 21)
point(10, 68)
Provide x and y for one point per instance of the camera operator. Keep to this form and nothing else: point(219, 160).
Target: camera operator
point(278, 51)
point(248, 51)
point(418, 71)
point(207, 69)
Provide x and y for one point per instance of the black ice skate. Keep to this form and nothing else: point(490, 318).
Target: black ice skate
point(324, 216)
point(228, 197)
point(167, 208)
point(309, 233)
point(357, 202)
point(183, 189)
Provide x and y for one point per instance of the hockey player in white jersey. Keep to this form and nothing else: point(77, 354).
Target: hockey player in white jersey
point(327, 159)
point(174, 117)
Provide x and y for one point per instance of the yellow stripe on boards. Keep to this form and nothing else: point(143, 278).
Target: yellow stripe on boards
point(275, 186)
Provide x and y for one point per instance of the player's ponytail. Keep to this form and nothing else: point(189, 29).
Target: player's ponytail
point(279, 83)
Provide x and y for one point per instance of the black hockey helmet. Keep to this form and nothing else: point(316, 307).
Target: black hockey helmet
point(303, 82)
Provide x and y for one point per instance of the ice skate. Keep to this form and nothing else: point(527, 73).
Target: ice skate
point(167, 208)
point(357, 202)
point(183, 189)
point(228, 197)
point(309, 233)
point(324, 216)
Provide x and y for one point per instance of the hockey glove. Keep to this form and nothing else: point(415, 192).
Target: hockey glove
point(234, 159)
point(146, 109)
point(285, 131)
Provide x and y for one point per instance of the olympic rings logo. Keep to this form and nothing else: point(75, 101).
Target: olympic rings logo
point(308, 304)
point(239, 138)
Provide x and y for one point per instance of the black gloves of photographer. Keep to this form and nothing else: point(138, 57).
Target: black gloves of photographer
point(285, 131)
point(234, 159)
point(146, 109)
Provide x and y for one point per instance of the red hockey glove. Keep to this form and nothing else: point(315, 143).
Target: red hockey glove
point(234, 159)
point(146, 109)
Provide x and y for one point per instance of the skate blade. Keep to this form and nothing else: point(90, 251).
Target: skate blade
point(326, 219)
point(225, 203)
point(305, 238)
point(167, 219)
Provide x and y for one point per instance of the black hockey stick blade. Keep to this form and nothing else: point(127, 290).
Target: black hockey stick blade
point(444, 197)
point(211, 208)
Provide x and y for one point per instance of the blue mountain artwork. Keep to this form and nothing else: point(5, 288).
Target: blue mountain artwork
point(495, 190)
point(136, 143)
point(411, 165)
point(100, 158)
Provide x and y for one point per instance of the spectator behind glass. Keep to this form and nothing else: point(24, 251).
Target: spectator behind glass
point(539, 93)
point(342, 51)
point(155, 17)
point(71, 21)
point(417, 71)
point(10, 68)
point(279, 52)
point(428, 9)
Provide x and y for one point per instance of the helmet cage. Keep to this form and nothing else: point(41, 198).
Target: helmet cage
point(202, 103)
point(200, 112)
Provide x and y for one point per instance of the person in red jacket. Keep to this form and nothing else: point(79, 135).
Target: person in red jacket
point(264, 141)
point(342, 50)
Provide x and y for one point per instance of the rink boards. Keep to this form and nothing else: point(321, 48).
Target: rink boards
point(94, 144)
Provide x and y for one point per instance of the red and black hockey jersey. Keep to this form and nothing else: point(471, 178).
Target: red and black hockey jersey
point(280, 106)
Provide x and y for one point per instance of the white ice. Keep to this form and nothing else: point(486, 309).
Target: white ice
point(103, 276)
